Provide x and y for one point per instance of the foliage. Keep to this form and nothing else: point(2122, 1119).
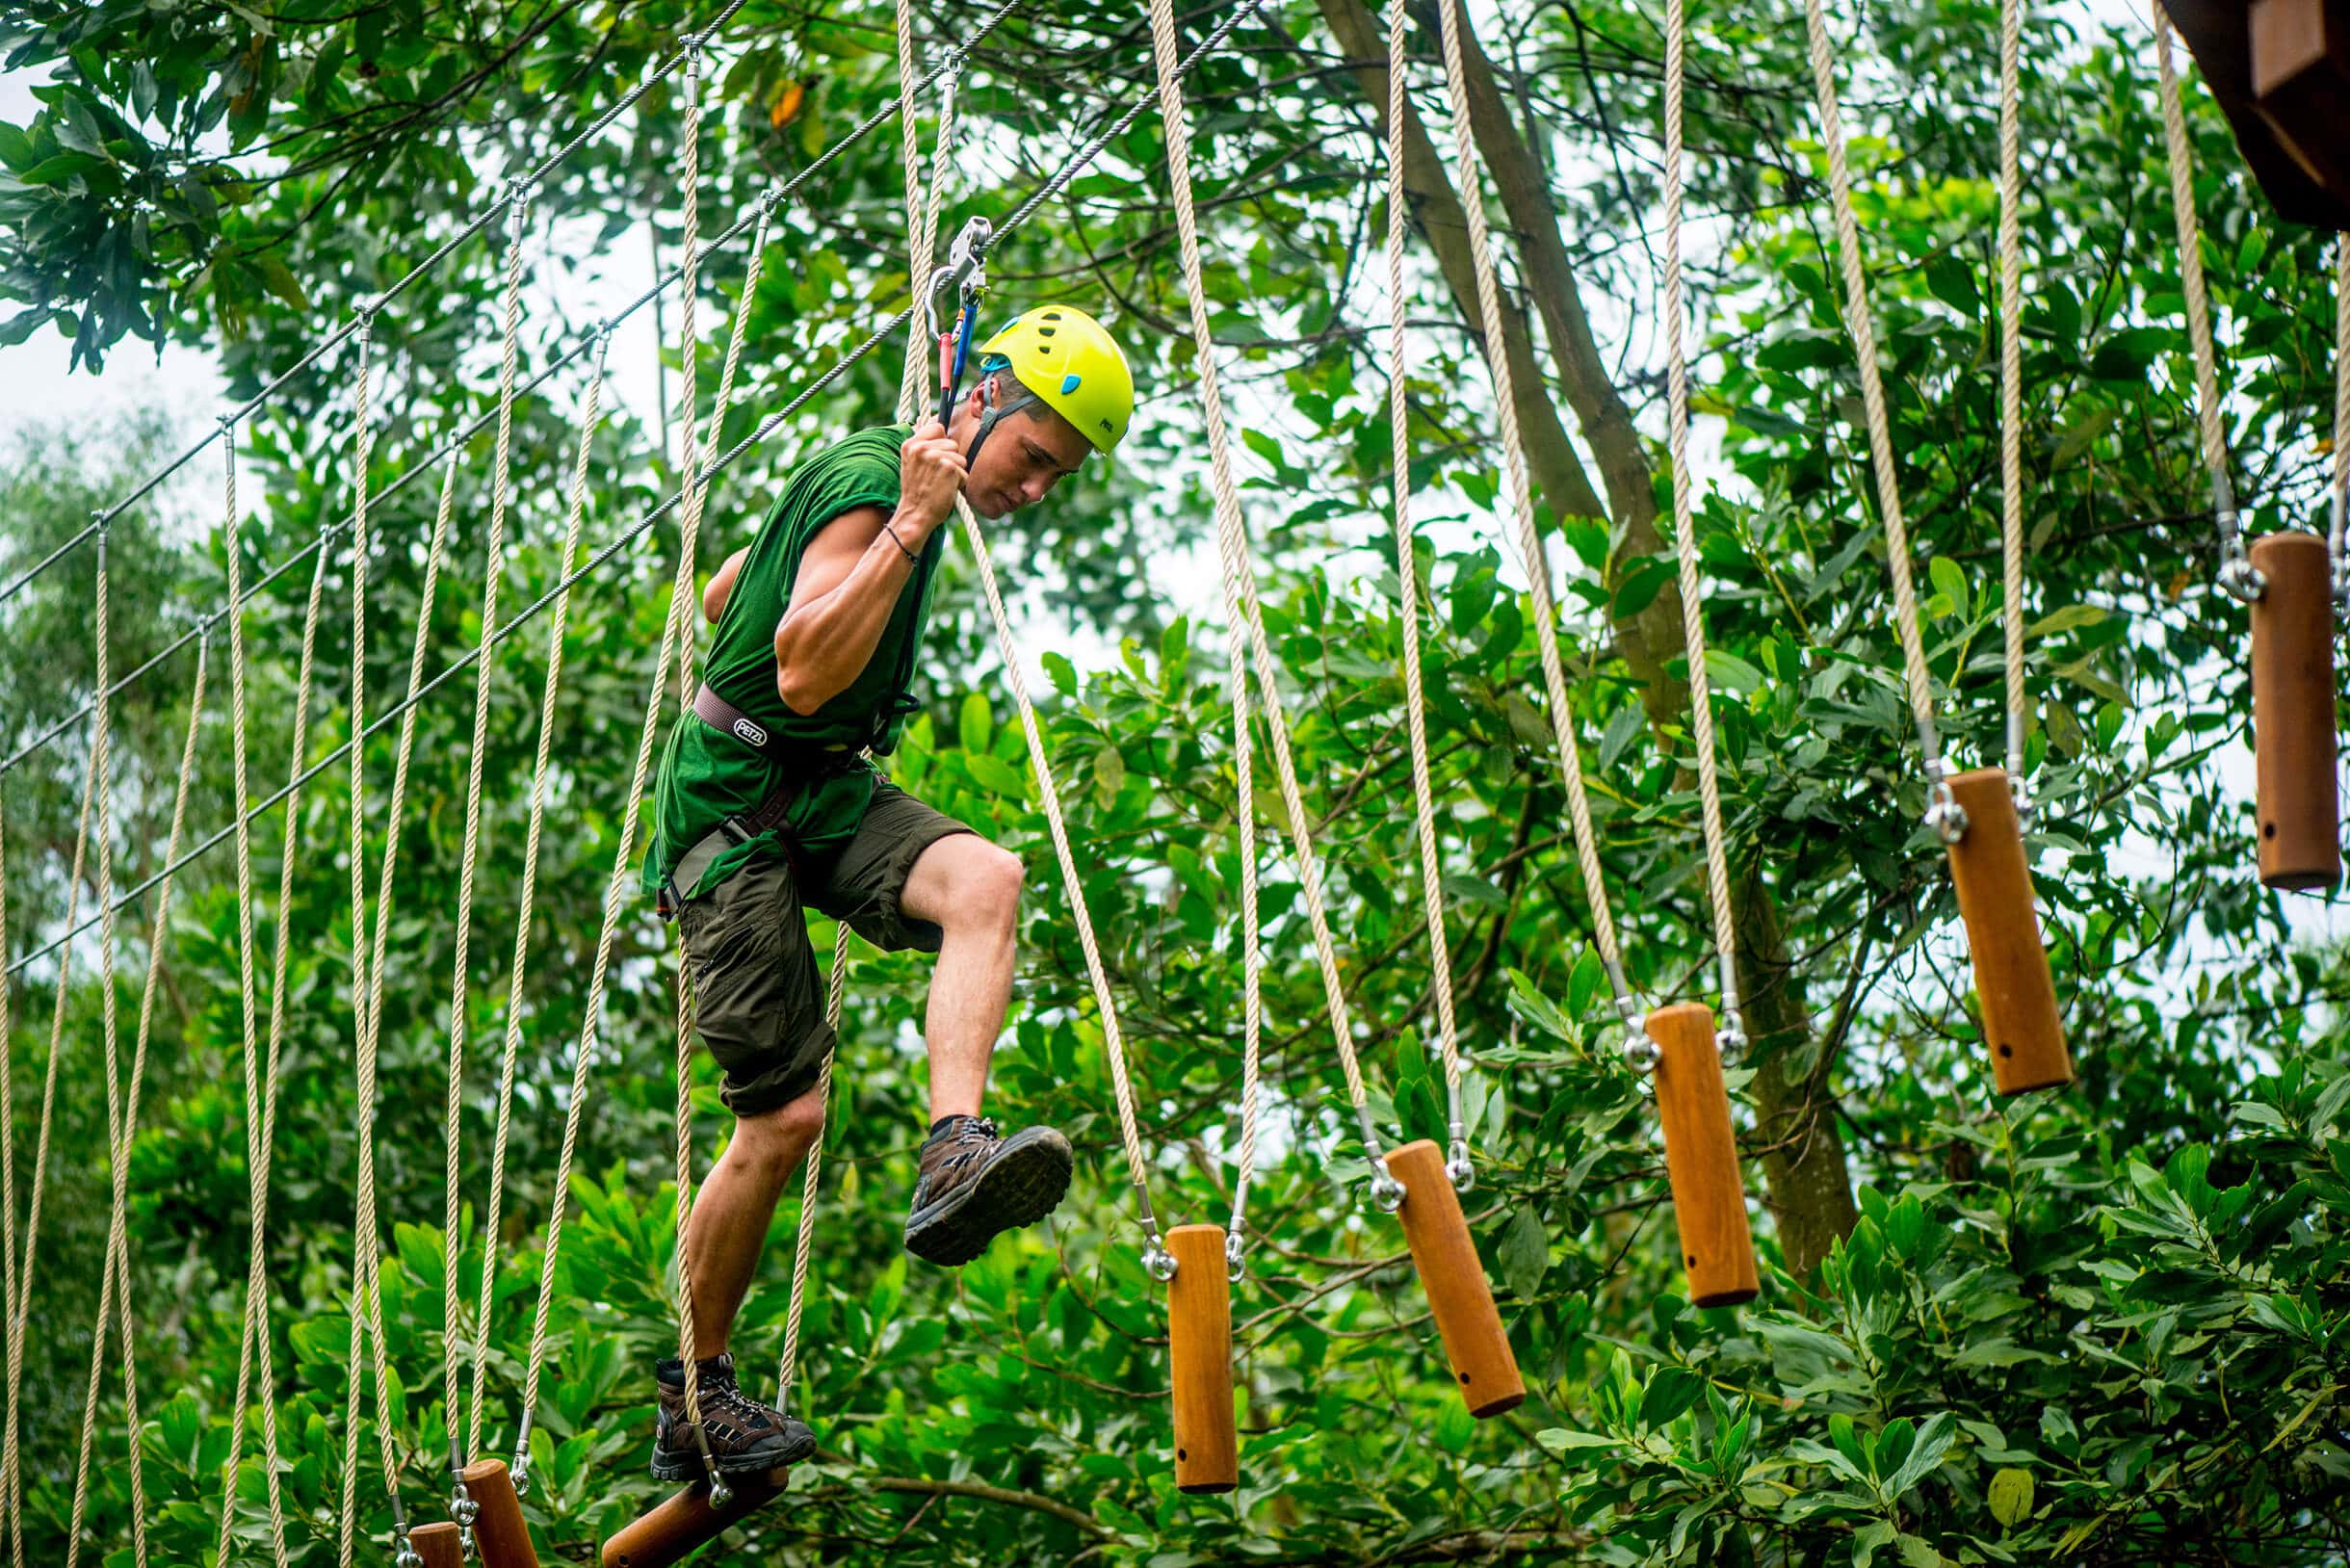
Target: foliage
point(2101, 1326)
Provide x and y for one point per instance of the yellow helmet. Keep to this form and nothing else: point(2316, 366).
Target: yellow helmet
point(1074, 367)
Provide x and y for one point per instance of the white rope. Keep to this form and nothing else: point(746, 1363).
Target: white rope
point(1860, 323)
point(11, 1517)
point(122, 1127)
point(1519, 489)
point(1732, 1036)
point(1114, 1043)
point(1240, 602)
point(2340, 532)
point(102, 743)
point(804, 1233)
point(2011, 382)
point(256, 1285)
point(493, 572)
point(2236, 575)
point(541, 767)
point(48, 1117)
point(1408, 580)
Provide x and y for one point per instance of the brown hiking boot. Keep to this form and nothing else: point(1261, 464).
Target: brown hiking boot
point(975, 1186)
point(745, 1436)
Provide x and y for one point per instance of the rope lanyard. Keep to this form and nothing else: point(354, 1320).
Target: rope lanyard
point(2338, 537)
point(461, 1441)
point(122, 1123)
point(541, 767)
point(11, 1516)
point(1242, 603)
point(102, 744)
point(1457, 1162)
point(2238, 577)
point(255, 1331)
point(366, 1325)
point(2011, 391)
point(921, 230)
point(1942, 813)
point(1732, 1038)
point(41, 1147)
point(1519, 491)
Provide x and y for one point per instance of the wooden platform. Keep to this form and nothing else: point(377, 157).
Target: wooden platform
point(2281, 71)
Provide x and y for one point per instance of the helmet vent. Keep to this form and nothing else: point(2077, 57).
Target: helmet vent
point(1068, 384)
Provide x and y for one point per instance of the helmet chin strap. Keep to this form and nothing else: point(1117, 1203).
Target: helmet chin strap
point(996, 412)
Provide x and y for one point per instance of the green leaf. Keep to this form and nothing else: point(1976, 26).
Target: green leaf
point(974, 723)
point(2011, 1497)
point(1524, 1253)
point(1950, 581)
point(1732, 673)
point(1060, 672)
point(1670, 1393)
point(993, 773)
point(1953, 282)
point(1560, 1440)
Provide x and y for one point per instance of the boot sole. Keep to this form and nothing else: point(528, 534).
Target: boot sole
point(688, 1467)
point(1026, 1182)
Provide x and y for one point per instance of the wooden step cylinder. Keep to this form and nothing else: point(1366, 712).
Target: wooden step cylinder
point(1993, 875)
point(2292, 714)
point(499, 1533)
point(1483, 1368)
point(1701, 1158)
point(441, 1544)
point(1199, 1351)
point(686, 1521)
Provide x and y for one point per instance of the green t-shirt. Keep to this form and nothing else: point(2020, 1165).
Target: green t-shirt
point(708, 776)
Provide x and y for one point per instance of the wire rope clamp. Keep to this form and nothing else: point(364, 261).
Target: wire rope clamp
point(1701, 1158)
point(1992, 874)
point(2294, 744)
point(1477, 1346)
point(1199, 1355)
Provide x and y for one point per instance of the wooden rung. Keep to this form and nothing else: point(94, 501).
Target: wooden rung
point(2292, 714)
point(686, 1522)
point(499, 1533)
point(1199, 1347)
point(1701, 1157)
point(1994, 878)
point(2301, 80)
point(441, 1544)
point(1483, 1367)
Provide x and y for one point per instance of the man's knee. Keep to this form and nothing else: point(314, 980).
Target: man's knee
point(990, 888)
point(776, 1141)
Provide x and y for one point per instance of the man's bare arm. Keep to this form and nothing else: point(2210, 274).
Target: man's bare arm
point(721, 584)
point(849, 577)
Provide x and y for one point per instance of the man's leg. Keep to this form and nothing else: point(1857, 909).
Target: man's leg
point(970, 890)
point(727, 1231)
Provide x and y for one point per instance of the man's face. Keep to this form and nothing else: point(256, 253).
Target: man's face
point(1027, 455)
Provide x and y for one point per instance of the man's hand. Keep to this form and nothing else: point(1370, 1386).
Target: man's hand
point(930, 473)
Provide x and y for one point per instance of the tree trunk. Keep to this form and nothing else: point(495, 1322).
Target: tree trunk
point(1809, 1186)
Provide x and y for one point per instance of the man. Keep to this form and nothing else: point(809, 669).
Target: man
point(764, 806)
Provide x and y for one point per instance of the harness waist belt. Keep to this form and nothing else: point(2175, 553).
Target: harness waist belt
point(768, 816)
point(720, 713)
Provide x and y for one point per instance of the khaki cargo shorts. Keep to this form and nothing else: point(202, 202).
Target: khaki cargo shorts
point(759, 995)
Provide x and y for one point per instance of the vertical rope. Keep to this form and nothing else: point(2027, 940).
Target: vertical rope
point(1519, 489)
point(2011, 380)
point(1860, 323)
point(493, 572)
point(920, 238)
point(1239, 584)
point(590, 412)
point(2341, 426)
point(803, 1235)
point(2236, 575)
point(255, 1333)
point(122, 1132)
point(102, 745)
point(1685, 532)
point(12, 1516)
point(1407, 579)
point(367, 1248)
